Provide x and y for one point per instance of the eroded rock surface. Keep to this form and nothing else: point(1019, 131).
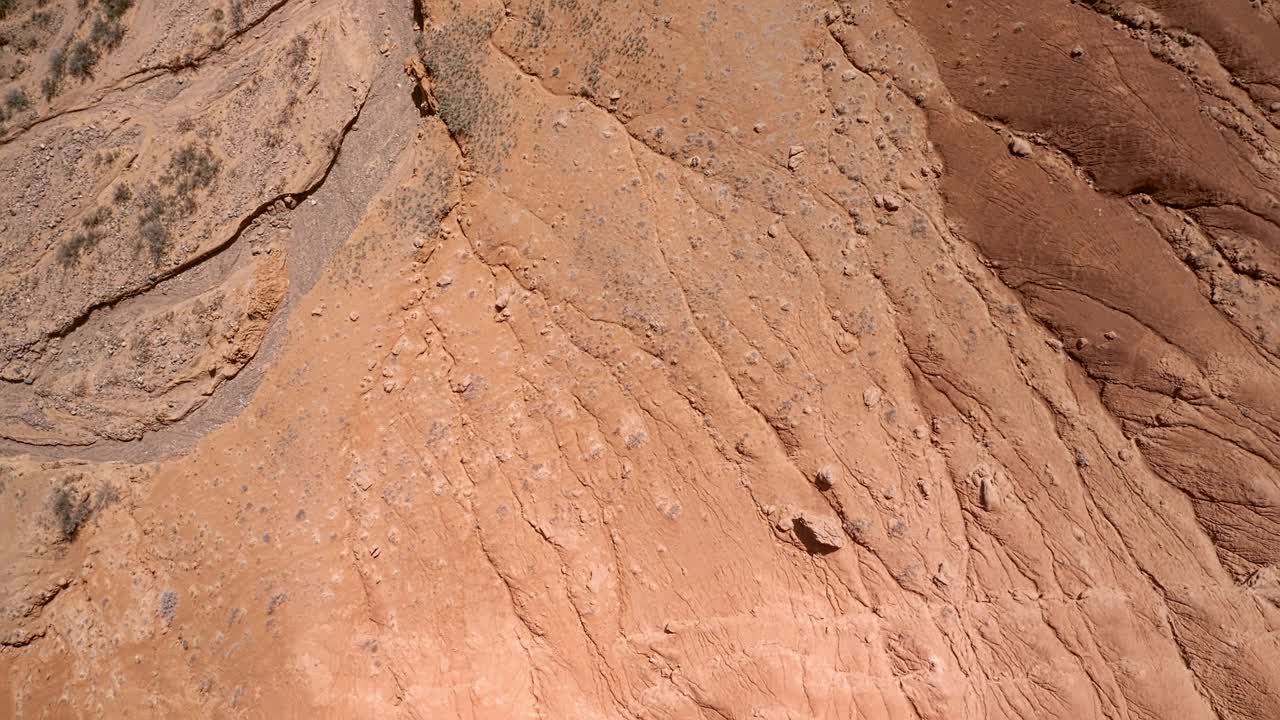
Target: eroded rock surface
point(549, 358)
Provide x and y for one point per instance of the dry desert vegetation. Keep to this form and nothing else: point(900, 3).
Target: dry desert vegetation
point(640, 359)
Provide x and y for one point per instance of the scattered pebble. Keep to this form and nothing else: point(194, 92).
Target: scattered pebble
point(1077, 51)
point(1110, 335)
point(354, 316)
point(1082, 343)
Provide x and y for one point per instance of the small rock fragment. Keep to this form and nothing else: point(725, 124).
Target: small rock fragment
point(354, 316)
point(1110, 335)
point(987, 494)
point(818, 535)
point(1082, 343)
point(891, 202)
point(871, 396)
point(795, 156)
point(1077, 51)
point(824, 478)
point(1020, 147)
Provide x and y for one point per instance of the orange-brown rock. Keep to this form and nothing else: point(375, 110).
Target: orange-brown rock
point(561, 359)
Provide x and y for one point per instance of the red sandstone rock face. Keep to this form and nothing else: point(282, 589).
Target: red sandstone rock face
point(908, 359)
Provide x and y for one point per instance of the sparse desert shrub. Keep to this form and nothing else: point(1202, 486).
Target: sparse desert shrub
point(106, 33)
point(168, 605)
point(476, 115)
point(190, 169)
point(115, 9)
point(57, 62)
point(71, 510)
point(16, 100)
point(156, 236)
point(122, 194)
point(80, 243)
point(153, 221)
point(97, 217)
point(107, 496)
point(81, 59)
point(299, 51)
point(52, 83)
point(6, 6)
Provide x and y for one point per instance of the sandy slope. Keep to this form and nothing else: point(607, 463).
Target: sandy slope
point(567, 359)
